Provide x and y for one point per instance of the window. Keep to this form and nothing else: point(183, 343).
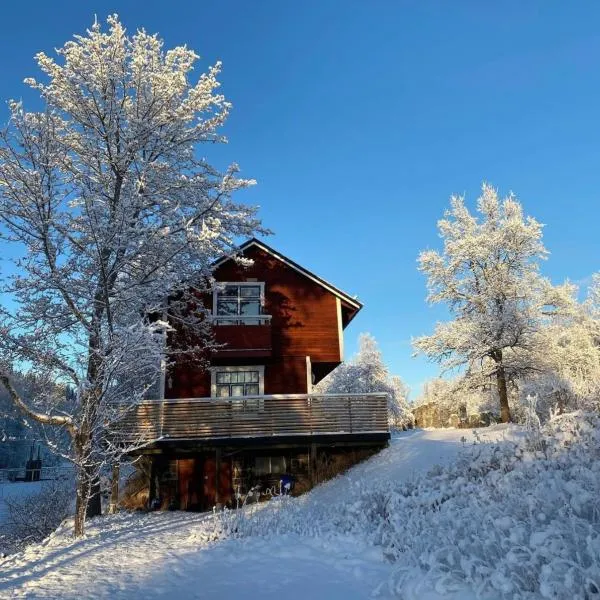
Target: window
point(269, 465)
point(238, 383)
point(239, 304)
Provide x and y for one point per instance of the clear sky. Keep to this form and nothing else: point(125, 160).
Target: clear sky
point(360, 119)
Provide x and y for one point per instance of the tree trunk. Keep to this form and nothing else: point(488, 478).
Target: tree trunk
point(88, 502)
point(503, 394)
point(81, 503)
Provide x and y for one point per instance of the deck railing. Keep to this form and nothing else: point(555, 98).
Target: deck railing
point(256, 417)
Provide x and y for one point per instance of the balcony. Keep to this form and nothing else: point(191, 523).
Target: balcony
point(274, 417)
point(242, 336)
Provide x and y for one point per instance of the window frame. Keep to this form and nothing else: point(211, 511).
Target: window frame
point(239, 319)
point(259, 407)
point(270, 458)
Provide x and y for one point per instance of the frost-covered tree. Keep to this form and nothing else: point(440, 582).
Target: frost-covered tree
point(113, 209)
point(593, 299)
point(567, 375)
point(563, 365)
point(367, 373)
point(371, 373)
point(399, 410)
point(488, 276)
point(461, 396)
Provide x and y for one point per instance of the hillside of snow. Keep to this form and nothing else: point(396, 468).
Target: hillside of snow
point(384, 529)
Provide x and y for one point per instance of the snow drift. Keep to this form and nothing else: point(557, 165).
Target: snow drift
point(515, 520)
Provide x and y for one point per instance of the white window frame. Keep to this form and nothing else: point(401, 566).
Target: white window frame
point(215, 370)
point(251, 321)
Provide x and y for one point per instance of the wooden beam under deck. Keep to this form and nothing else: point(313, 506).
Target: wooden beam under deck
point(239, 445)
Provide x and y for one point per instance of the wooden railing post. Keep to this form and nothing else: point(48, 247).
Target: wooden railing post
point(162, 418)
point(350, 412)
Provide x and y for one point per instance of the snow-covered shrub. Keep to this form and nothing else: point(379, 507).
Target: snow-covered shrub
point(558, 394)
point(514, 523)
point(507, 520)
point(32, 516)
point(518, 521)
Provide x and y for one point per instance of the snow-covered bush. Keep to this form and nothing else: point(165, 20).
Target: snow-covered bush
point(32, 516)
point(558, 394)
point(510, 521)
point(507, 520)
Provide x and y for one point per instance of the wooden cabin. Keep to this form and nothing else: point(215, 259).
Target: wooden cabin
point(251, 420)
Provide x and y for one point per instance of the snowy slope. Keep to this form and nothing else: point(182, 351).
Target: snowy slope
point(171, 555)
point(411, 453)
point(9, 489)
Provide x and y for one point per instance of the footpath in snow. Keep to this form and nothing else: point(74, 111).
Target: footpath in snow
point(175, 555)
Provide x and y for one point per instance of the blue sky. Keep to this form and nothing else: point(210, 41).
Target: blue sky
point(360, 119)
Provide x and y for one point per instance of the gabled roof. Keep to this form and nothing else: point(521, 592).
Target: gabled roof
point(353, 302)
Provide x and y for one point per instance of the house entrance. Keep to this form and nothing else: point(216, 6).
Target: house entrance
point(203, 482)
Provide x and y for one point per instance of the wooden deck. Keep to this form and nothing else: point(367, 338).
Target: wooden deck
point(255, 417)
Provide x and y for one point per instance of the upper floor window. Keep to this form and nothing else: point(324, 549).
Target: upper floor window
point(240, 304)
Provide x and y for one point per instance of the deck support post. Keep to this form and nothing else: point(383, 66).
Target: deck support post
point(152, 483)
point(312, 465)
point(217, 475)
point(113, 506)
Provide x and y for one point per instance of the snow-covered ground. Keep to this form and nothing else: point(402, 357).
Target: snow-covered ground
point(9, 489)
point(176, 555)
point(411, 453)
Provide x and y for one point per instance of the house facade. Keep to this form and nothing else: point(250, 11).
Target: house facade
point(250, 420)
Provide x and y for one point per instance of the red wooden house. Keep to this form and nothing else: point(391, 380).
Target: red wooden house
point(252, 418)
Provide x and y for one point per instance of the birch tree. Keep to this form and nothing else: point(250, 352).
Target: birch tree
point(112, 208)
point(488, 276)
